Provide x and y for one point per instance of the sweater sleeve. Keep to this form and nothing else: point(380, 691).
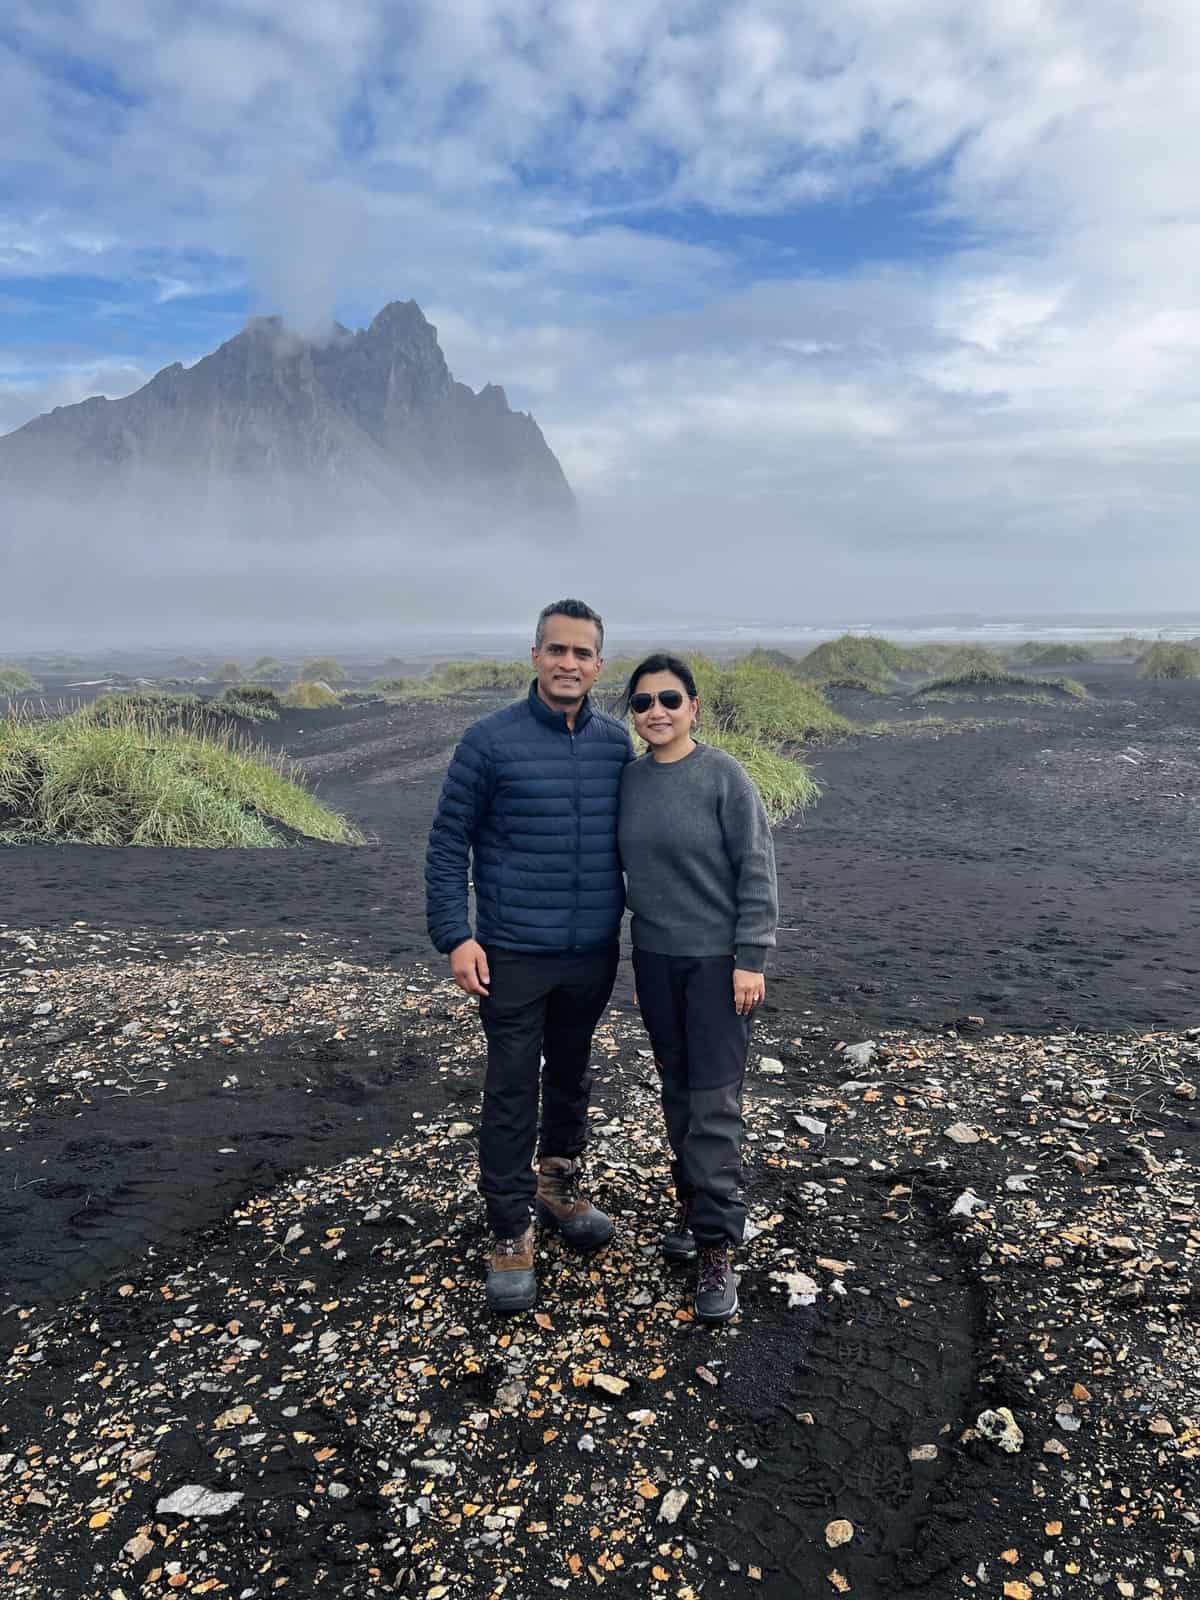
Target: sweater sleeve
point(463, 803)
point(751, 849)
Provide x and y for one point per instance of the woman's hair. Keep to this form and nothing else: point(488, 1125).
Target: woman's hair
point(660, 662)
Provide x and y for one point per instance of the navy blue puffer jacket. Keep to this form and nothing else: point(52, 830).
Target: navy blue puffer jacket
point(537, 804)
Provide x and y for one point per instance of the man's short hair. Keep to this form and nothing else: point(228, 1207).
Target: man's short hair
point(575, 609)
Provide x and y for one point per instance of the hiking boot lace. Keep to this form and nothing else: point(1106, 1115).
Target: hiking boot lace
point(511, 1247)
point(714, 1265)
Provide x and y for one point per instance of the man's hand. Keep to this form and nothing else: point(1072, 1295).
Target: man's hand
point(749, 990)
point(469, 964)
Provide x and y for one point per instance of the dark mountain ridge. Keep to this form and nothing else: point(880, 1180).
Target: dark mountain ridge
point(368, 421)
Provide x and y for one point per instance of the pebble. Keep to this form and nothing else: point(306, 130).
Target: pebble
point(771, 1065)
point(923, 1452)
point(801, 1289)
point(811, 1125)
point(460, 1130)
point(838, 1532)
point(861, 1054)
point(672, 1506)
point(194, 1500)
point(961, 1133)
point(1000, 1426)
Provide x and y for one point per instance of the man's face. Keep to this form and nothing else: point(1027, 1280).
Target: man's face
point(568, 660)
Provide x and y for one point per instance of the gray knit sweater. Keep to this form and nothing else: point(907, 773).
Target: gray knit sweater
point(699, 859)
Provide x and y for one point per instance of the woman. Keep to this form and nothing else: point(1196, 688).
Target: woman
point(700, 872)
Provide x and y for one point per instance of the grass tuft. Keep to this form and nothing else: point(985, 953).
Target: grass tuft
point(1164, 660)
point(136, 778)
point(768, 704)
point(310, 696)
point(15, 680)
point(1054, 655)
point(453, 676)
point(873, 661)
point(983, 679)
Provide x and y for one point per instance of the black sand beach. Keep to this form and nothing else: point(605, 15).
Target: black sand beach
point(201, 1051)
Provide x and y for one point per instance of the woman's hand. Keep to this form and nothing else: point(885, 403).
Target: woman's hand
point(749, 990)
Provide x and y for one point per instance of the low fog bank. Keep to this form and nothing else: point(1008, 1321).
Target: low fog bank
point(117, 576)
point(258, 570)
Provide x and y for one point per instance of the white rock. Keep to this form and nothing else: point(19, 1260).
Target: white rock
point(194, 1500)
point(961, 1133)
point(967, 1204)
point(810, 1124)
point(801, 1289)
point(862, 1054)
point(672, 1506)
point(460, 1130)
point(1000, 1426)
point(771, 1065)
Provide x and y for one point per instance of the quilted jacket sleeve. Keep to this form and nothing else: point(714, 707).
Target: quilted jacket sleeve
point(464, 800)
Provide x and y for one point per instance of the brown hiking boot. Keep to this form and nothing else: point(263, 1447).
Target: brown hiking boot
point(560, 1204)
point(511, 1281)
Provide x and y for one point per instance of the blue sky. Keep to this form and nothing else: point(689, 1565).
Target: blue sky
point(905, 286)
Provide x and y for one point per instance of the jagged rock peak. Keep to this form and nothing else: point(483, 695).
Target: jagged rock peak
point(370, 417)
point(403, 319)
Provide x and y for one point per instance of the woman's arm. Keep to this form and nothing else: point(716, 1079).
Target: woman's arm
point(751, 851)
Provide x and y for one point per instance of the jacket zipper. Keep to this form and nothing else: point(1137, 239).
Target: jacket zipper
point(578, 844)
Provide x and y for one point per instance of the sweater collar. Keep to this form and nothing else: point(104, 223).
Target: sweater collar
point(558, 719)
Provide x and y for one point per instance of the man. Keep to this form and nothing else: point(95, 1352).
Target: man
point(531, 794)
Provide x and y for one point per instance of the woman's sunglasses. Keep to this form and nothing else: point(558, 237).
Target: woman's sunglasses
point(669, 699)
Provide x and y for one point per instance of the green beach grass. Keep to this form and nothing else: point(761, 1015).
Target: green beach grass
point(310, 697)
point(140, 779)
point(865, 661)
point(982, 680)
point(1164, 660)
point(15, 680)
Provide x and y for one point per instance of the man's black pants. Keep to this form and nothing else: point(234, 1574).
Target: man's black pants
point(700, 1045)
point(539, 1006)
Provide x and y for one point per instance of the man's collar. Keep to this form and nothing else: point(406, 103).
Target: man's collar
point(557, 719)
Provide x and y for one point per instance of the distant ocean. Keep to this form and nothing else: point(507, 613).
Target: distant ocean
point(423, 642)
point(623, 636)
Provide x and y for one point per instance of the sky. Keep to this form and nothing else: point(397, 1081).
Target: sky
point(883, 304)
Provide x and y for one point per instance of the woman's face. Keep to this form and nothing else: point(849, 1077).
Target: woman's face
point(661, 724)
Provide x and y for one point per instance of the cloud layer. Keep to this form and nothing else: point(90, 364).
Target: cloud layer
point(900, 294)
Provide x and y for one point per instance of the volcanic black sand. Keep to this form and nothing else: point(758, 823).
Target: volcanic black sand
point(201, 1051)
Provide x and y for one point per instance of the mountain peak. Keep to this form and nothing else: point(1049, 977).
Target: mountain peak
point(369, 420)
point(403, 319)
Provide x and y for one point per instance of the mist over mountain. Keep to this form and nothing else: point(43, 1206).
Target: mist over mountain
point(278, 432)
